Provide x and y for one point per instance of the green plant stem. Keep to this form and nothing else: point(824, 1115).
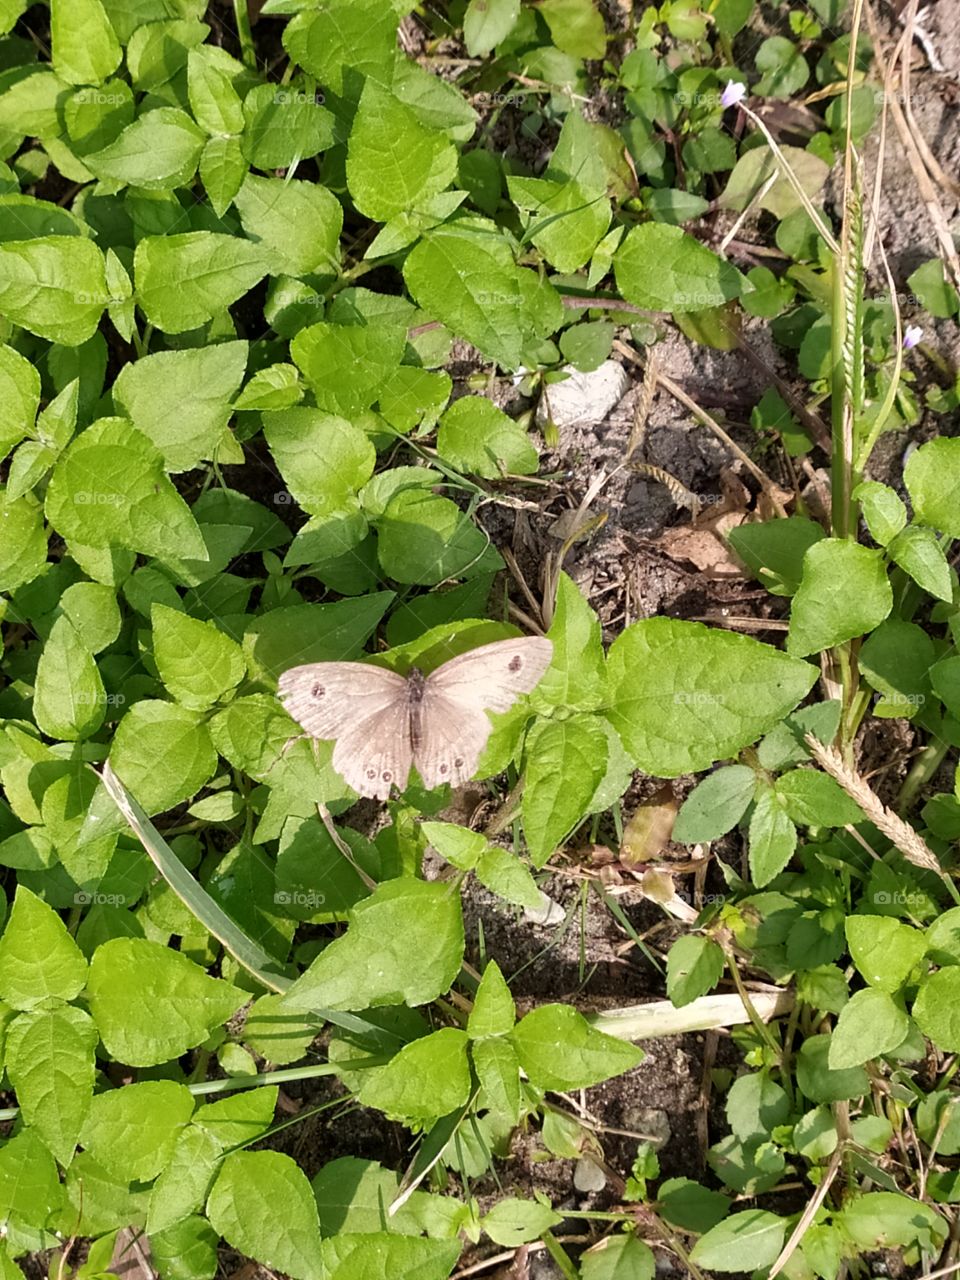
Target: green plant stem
point(560, 1256)
point(248, 50)
point(920, 773)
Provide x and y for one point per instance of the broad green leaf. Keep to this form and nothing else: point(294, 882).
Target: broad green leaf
point(38, 958)
point(276, 1035)
point(215, 103)
point(468, 279)
point(324, 459)
point(932, 477)
point(20, 396)
point(29, 1184)
point(785, 69)
point(486, 23)
point(404, 945)
point(715, 805)
point(558, 1049)
point(357, 34)
point(54, 286)
point(688, 1204)
point(49, 1057)
point(513, 1222)
point(239, 1117)
point(566, 220)
point(23, 547)
point(773, 551)
point(243, 1205)
point(477, 437)
point(844, 593)
point(933, 290)
point(69, 701)
point(745, 1241)
point(897, 660)
point(92, 608)
point(393, 161)
point(183, 281)
point(152, 1004)
point(426, 539)
point(504, 874)
point(773, 838)
point(883, 510)
point(180, 400)
point(222, 171)
point(284, 125)
point(823, 1082)
point(664, 269)
point(493, 1012)
point(815, 800)
point(871, 1023)
point(184, 1183)
point(132, 1131)
point(498, 1071)
point(428, 1078)
point(694, 967)
point(162, 753)
point(461, 847)
point(747, 183)
point(576, 677)
point(312, 633)
point(682, 696)
point(566, 760)
point(888, 1220)
point(85, 48)
point(160, 150)
point(95, 1202)
point(936, 1009)
point(576, 27)
point(187, 1250)
point(918, 553)
point(618, 1257)
point(196, 661)
point(364, 1257)
point(296, 224)
point(347, 364)
point(885, 950)
point(110, 490)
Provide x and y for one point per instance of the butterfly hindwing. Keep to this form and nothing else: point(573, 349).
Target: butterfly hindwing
point(452, 739)
point(375, 753)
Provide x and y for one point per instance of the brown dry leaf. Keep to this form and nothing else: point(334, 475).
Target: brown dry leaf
point(648, 831)
point(705, 547)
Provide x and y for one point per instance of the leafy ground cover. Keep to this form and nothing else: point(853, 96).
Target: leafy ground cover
point(293, 300)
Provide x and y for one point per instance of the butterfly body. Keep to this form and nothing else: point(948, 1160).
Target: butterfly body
point(384, 724)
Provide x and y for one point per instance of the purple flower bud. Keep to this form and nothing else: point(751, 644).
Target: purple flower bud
point(912, 336)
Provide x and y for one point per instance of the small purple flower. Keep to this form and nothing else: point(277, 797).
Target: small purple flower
point(912, 336)
point(732, 94)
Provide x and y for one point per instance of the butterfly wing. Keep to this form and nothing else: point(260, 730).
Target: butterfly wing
point(454, 727)
point(366, 709)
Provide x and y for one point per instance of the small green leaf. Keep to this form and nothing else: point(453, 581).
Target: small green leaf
point(513, 1222)
point(69, 701)
point(29, 1184)
point(297, 224)
point(885, 950)
point(477, 437)
point(558, 1049)
point(883, 510)
point(694, 967)
point(664, 269)
point(162, 753)
point(715, 805)
point(932, 477)
point(49, 1056)
point(486, 23)
point(242, 1207)
point(871, 1023)
point(197, 662)
point(158, 151)
point(745, 1241)
point(426, 539)
point(54, 286)
point(183, 281)
point(427, 1079)
point(816, 800)
point(85, 48)
point(845, 593)
point(918, 553)
point(773, 838)
point(132, 1131)
point(619, 1257)
point(38, 957)
point(566, 760)
point(493, 1012)
point(937, 1007)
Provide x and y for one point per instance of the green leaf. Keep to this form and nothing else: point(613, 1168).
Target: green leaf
point(132, 1131)
point(404, 945)
point(933, 290)
point(664, 269)
point(747, 184)
point(394, 162)
point(715, 805)
point(346, 364)
point(152, 1004)
point(29, 1183)
point(296, 224)
point(69, 700)
point(180, 400)
point(38, 958)
point(85, 49)
point(162, 753)
point(158, 151)
point(357, 34)
point(185, 1181)
point(885, 950)
point(567, 221)
point(745, 1241)
point(242, 1207)
point(773, 838)
point(426, 539)
point(380, 1254)
point(477, 437)
point(844, 593)
point(936, 1009)
point(785, 70)
point(23, 548)
point(196, 661)
point(683, 696)
point(92, 608)
point(558, 1049)
point(694, 967)
point(883, 509)
point(619, 1257)
point(945, 679)
point(773, 551)
point(932, 477)
point(871, 1023)
point(427, 1079)
point(183, 281)
point(576, 27)
point(815, 800)
point(493, 1012)
point(222, 171)
point(504, 874)
point(215, 103)
point(284, 125)
point(325, 460)
point(918, 553)
point(49, 1056)
point(467, 278)
point(110, 490)
point(888, 1220)
point(54, 286)
point(513, 1222)
point(20, 396)
point(566, 760)
point(486, 23)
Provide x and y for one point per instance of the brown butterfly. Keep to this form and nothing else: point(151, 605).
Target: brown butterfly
point(384, 723)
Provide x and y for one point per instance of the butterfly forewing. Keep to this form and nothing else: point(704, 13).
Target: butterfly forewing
point(365, 708)
point(495, 675)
